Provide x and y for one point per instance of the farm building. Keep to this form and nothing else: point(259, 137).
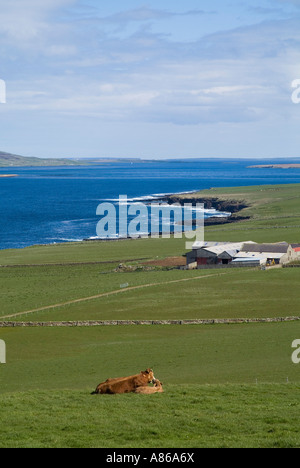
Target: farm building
point(294, 252)
point(248, 262)
point(254, 257)
point(191, 257)
point(218, 254)
point(213, 253)
point(273, 254)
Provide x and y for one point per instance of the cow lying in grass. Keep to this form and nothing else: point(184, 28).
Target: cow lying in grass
point(150, 390)
point(125, 384)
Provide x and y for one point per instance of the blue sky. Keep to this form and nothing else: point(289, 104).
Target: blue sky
point(156, 79)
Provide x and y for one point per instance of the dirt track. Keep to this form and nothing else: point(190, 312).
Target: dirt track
point(110, 293)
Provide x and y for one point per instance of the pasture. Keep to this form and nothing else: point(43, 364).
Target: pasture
point(186, 416)
point(88, 292)
point(225, 385)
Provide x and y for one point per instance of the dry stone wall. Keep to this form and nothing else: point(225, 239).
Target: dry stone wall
point(98, 323)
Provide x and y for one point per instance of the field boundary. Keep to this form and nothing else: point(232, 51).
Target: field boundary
point(63, 264)
point(97, 323)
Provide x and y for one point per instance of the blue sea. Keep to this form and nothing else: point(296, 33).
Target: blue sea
point(47, 205)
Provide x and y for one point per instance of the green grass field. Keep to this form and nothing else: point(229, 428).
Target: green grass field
point(76, 358)
point(185, 416)
point(161, 295)
point(225, 385)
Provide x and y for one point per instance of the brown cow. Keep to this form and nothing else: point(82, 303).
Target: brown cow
point(126, 384)
point(150, 390)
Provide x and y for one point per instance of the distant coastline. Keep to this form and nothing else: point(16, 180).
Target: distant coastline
point(8, 175)
point(9, 160)
point(276, 166)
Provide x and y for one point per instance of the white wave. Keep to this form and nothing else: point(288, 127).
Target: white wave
point(174, 193)
point(130, 200)
point(79, 220)
point(64, 239)
point(222, 215)
point(71, 240)
point(153, 196)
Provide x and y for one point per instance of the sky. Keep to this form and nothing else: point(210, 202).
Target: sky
point(153, 80)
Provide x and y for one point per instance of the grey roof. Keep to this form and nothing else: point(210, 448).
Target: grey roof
point(228, 254)
point(246, 260)
point(267, 248)
point(227, 247)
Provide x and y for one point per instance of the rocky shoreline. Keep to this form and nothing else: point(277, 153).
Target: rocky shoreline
point(229, 206)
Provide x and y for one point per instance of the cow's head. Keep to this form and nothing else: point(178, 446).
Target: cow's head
point(148, 373)
point(157, 383)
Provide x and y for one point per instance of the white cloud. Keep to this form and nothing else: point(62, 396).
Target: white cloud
point(74, 68)
point(144, 13)
point(25, 21)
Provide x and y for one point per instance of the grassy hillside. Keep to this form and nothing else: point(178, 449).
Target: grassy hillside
point(68, 293)
point(13, 160)
point(263, 202)
point(274, 212)
point(90, 252)
point(225, 385)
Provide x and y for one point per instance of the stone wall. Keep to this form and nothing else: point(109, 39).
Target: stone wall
point(97, 323)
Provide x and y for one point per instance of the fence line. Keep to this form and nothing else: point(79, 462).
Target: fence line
point(97, 323)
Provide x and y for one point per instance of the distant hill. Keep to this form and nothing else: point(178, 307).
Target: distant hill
point(13, 160)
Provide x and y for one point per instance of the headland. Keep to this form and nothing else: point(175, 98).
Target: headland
point(276, 166)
